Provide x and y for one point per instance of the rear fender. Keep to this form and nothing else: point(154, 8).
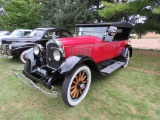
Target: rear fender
point(72, 62)
point(124, 52)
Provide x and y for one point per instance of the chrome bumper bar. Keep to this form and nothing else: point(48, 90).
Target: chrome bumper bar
point(31, 84)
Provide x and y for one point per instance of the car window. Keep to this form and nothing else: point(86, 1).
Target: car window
point(122, 34)
point(16, 33)
point(26, 33)
point(49, 33)
point(36, 33)
point(63, 34)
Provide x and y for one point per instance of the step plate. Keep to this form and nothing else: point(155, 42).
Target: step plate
point(109, 69)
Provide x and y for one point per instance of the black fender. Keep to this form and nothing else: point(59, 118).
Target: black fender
point(72, 62)
point(30, 56)
point(130, 49)
point(127, 47)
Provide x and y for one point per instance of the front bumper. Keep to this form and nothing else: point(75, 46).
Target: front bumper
point(5, 49)
point(30, 83)
point(46, 79)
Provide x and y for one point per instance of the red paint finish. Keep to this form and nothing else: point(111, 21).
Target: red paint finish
point(93, 47)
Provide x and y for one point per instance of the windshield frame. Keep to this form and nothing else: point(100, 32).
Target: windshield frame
point(98, 31)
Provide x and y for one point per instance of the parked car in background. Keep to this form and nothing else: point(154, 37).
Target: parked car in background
point(15, 33)
point(18, 46)
point(4, 33)
point(101, 47)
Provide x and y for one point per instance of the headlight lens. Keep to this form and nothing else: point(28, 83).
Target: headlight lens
point(36, 50)
point(56, 55)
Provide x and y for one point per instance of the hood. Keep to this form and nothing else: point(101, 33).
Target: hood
point(79, 40)
point(19, 39)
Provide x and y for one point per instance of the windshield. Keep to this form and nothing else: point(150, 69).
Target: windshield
point(93, 31)
point(16, 33)
point(36, 33)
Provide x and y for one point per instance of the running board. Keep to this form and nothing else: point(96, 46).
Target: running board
point(109, 69)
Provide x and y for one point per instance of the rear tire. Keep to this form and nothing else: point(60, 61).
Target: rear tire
point(76, 85)
point(127, 58)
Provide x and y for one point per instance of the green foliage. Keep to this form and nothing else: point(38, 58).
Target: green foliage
point(157, 10)
point(20, 14)
point(114, 11)
point(65, 13)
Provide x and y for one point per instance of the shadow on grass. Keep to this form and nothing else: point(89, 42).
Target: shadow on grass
point(97, 77)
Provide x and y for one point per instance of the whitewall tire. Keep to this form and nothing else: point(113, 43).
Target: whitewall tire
point(127, 58)
point(76, 85)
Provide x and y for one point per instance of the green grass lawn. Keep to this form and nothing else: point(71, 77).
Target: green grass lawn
point(128, 93)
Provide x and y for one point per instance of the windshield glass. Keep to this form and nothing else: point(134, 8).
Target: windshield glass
point(16, 33)
point(36, 33)
point(93, 31)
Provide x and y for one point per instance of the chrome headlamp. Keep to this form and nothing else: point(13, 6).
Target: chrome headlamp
point(57, 55)
point(37, 49)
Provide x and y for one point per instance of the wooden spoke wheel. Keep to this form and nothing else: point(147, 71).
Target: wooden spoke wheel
point(76, 86)
point(127, 58)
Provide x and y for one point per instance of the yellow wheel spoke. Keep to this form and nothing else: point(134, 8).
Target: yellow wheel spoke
point(82, 75)
point(80, 91)
point(77, 79)
point(73, 86)
point(84, 82)
point(83, 78)
point(77, 93)
point(74, 95)
point(73, 91)
point(74, 82)
point(79, 76)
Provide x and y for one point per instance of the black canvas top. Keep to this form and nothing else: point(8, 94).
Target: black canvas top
point(117, 24)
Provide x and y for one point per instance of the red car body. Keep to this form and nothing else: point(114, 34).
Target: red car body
point(99, 47)
point(93, 47)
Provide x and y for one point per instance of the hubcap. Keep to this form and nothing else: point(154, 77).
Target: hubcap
point(78, 85)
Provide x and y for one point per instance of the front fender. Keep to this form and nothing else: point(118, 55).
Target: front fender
point(72, 62)
point(29, 55)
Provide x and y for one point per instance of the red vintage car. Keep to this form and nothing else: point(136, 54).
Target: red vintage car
point(101, 47)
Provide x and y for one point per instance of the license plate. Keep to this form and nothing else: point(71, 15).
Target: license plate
point(42, 71)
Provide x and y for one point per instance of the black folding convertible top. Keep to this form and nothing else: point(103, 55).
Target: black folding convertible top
point(117, 24)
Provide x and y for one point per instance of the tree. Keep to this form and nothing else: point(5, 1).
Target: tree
point(20, 14)
point(66, 13)
point(122, 11)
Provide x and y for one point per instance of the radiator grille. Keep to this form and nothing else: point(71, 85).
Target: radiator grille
point(50, 61)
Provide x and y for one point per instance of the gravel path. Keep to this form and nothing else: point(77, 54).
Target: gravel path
point(145, 43)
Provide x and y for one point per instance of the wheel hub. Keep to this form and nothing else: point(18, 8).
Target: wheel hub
point(82, 86)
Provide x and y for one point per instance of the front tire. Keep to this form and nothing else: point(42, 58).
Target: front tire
point(22, 57)
point(76, 85)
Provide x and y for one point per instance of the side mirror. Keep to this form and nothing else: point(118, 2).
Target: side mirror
point(112, 31)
